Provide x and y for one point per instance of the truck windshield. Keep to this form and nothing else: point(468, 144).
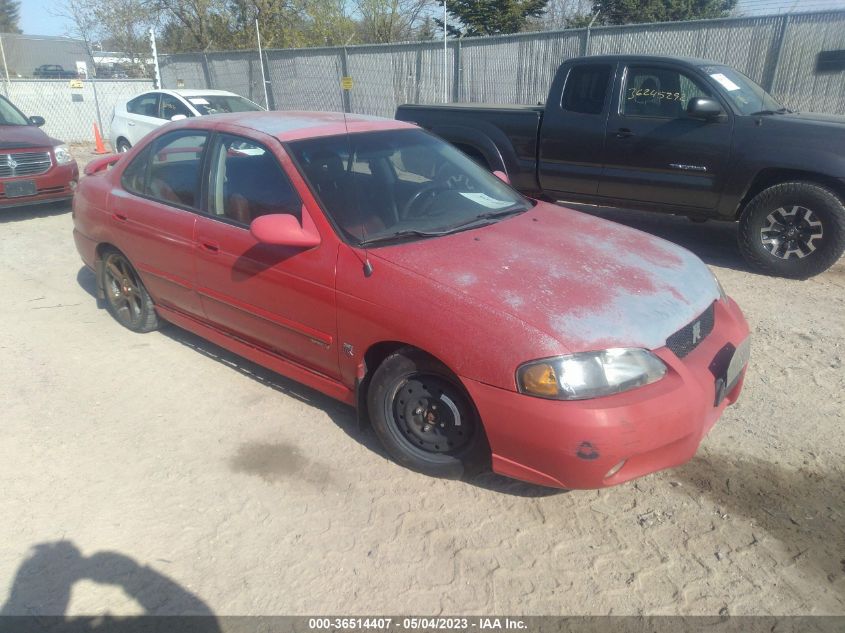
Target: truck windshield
point(218, 104)
point(10, 115)
point(391, 185)
point(747, 96)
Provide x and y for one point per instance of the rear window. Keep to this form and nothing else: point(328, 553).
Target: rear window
point(145, 105)
point(586, 88)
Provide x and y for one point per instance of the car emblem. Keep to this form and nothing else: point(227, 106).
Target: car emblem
point(12, 163)
point(696, 332)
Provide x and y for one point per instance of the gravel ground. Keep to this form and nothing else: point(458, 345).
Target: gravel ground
point(157, 473)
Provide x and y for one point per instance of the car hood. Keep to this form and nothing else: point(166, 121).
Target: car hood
point(815, 117)
point(23, 136)
point(587, 282)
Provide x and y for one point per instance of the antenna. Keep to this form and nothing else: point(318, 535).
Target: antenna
point(368, 267)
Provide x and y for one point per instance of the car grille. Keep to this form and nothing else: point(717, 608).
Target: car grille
point(690, 336)
point(24, 164)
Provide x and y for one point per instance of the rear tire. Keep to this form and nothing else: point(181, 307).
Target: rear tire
point(794, 230)
point(425, 418)
point(127, 300)
point(123, 146)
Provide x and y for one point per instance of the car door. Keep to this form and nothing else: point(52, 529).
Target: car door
point(654, 151)
point(276, 297)
point(155, 207)
point(573, 130)
point(170, 106)
point(142, 116)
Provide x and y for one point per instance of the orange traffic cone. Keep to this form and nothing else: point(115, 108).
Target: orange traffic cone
point(98, 140)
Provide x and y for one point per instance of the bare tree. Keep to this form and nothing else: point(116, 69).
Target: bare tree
point(381, 21)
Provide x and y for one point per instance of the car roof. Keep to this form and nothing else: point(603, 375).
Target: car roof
point(294, 125)
point(690, 61)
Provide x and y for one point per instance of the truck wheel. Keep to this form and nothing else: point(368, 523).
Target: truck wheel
point(424, 417)
point(795, 230)
point(123, 145)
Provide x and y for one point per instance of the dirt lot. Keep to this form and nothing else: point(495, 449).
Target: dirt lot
point(156, 473)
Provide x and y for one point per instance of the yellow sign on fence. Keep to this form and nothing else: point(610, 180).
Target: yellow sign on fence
point(76, 83)
point(346, 83)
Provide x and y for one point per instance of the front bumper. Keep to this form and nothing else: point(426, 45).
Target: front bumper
point(55, 184)
point(575, 444)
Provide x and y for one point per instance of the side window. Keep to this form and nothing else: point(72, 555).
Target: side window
point(586, 88)
point(247, 181)
point(659, 92)
point(170, 106)
point(135, 175)
point(175, 164)
point(145, 105)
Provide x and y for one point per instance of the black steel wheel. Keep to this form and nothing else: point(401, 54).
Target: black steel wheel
point(795, 229)
point(424, 417)
point(126, 298)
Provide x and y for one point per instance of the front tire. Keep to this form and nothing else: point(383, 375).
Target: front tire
point(127, 300)
point(425, 418)
point(794, 230)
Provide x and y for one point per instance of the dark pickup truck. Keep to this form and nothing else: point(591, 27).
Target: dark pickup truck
point(683, 136)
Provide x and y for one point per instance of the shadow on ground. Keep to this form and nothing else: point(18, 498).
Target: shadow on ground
point(712, 241)
point(44, 582)
point(21, 214)
point(803, 509)
point(271, 461)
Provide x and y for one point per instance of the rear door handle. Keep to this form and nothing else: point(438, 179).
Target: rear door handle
point(129, 123)
point(624, 132)
point(209, 246)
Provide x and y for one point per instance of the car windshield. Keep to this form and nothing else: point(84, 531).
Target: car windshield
point(381, 187)
point(219, 104)
point(10, 115)
point(747, 96)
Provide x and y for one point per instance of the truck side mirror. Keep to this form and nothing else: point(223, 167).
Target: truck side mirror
point(702, 108)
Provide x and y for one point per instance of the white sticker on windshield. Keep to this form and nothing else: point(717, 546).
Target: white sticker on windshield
point(198, 101)
point(726, 83)
point(485, 201)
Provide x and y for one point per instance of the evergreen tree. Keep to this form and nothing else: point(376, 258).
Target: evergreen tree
point(491, 17)
point(636, 11)
point(9, 16)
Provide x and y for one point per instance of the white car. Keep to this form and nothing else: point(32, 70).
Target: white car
point(134, 118)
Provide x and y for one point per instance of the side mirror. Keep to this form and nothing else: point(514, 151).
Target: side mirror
point(178, 117)
point(502, 176)
point(283, 229)
point(701, 108)
point(37, 121)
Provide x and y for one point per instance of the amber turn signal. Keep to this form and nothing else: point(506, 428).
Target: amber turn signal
point(540, 380)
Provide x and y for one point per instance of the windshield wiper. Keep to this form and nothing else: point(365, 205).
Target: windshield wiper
point(484, 218)
point(767, 112)
point(399, 235)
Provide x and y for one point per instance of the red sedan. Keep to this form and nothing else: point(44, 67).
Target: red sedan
point(371, 261)
point(34, 168)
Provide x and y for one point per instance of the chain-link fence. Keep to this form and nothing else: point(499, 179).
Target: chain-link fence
point(56, 78)
point(780, 52)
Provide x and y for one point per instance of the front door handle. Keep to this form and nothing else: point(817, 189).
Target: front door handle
point(210, 247)
point(624, 132)
point(119, 216)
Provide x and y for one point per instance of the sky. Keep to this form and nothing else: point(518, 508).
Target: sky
point(37, 20)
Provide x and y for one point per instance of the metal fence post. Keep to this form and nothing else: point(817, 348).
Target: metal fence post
point(772, 63)
point(268, 83)
point(418, 77)
point(585, 42)
point(344, 69)
point(7, 86)
point(206, 72)
point(456, 72)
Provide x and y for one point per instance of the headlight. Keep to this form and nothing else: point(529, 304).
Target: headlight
point(589, 374)
point(62, 154)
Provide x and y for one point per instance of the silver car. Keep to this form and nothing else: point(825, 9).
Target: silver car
point(134, 118)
